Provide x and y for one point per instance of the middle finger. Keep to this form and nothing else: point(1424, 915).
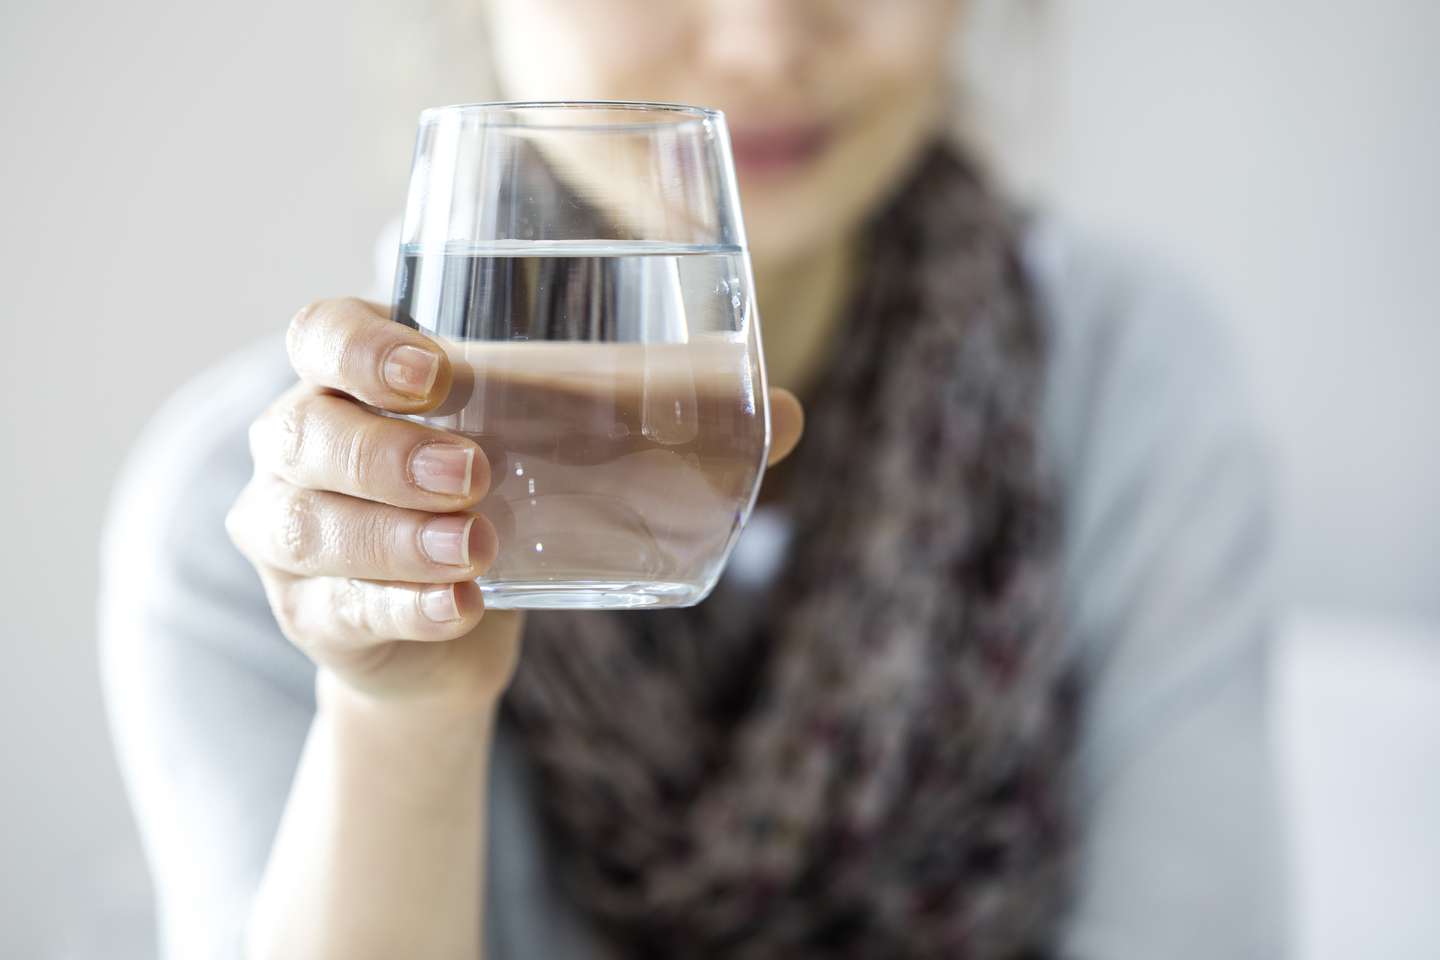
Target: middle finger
point(318, 533)
point(326, 442)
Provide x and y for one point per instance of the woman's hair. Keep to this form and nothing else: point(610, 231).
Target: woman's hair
point(436, 51)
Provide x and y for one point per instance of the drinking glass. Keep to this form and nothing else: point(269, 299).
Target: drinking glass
point(584, 266)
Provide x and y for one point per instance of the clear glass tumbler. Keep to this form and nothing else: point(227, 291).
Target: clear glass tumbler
point(584, 266)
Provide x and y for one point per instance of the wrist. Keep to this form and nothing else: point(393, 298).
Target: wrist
point(344, 703)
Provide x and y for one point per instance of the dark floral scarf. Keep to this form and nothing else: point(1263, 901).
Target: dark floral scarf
point(869, 759)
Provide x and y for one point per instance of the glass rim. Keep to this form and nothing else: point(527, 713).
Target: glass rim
point(501, 109)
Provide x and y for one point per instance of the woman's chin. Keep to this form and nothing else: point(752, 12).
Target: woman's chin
point(775, 238)
point(783, 221)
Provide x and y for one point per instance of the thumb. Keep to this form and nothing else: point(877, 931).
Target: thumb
point(787, 422)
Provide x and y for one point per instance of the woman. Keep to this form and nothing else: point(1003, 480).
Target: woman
point(1014, 710)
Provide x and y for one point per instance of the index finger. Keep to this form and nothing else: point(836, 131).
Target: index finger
point(352, 346)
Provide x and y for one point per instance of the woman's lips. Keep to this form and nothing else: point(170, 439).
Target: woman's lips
point(775, 149)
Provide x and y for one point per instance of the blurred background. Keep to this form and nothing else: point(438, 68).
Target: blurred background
point(180, 177)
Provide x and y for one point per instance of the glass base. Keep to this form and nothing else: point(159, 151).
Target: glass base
point(589, 595)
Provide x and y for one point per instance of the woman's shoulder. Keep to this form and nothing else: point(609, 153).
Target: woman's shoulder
point(1148, 425)
point(1168, 599)
point(1113, 303)
point(1088, 276)
point(1137, 348)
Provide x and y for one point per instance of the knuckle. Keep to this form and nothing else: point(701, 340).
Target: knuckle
point(361, 352)
point(267, 435)
point(360, 453)
point(390, 613)
point(234, 525)
point(288, 427)
point(239, 519)
point(370, 608)
point(296, 529)
point(281, 594)
point(375, 538)
point(256, 437)
point(299, 328)
point(321, 338)
point(282, 438)
point(286, 604)
point(351, 604)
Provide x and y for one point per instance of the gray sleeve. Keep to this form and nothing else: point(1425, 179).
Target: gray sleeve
point(1167, 559)
point(209, 705)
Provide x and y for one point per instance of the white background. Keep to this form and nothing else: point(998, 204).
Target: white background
point(178, 177)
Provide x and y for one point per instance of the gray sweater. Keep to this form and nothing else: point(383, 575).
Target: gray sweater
point(1169, 617)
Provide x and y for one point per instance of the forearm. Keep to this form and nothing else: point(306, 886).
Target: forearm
point(381, 849)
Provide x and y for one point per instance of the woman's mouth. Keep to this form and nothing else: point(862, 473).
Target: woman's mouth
point(773, 150)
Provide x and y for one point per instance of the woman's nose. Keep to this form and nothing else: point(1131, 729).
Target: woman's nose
point(756, 40)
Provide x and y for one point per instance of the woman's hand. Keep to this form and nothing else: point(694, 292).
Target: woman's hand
point(357, 522)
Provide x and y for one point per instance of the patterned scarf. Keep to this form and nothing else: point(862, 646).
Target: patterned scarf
point(869, 760)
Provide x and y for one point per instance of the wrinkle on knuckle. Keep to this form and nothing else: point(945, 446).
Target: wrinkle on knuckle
point(293, 430)
point(356, 355)
point(366, 608)
point(375, 537)
point(297, 531)
point(358, 455)
point(323, 343)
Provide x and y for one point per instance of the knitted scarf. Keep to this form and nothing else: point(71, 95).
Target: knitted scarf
point(869, 760)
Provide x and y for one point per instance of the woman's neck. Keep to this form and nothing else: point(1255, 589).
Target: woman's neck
point(801, 301)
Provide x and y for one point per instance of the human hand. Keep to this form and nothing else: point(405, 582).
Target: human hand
point(357, 522)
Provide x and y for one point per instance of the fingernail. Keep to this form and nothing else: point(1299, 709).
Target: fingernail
point(410, 370)
point(438, 604)
point(443, 468)
point(447, 540)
